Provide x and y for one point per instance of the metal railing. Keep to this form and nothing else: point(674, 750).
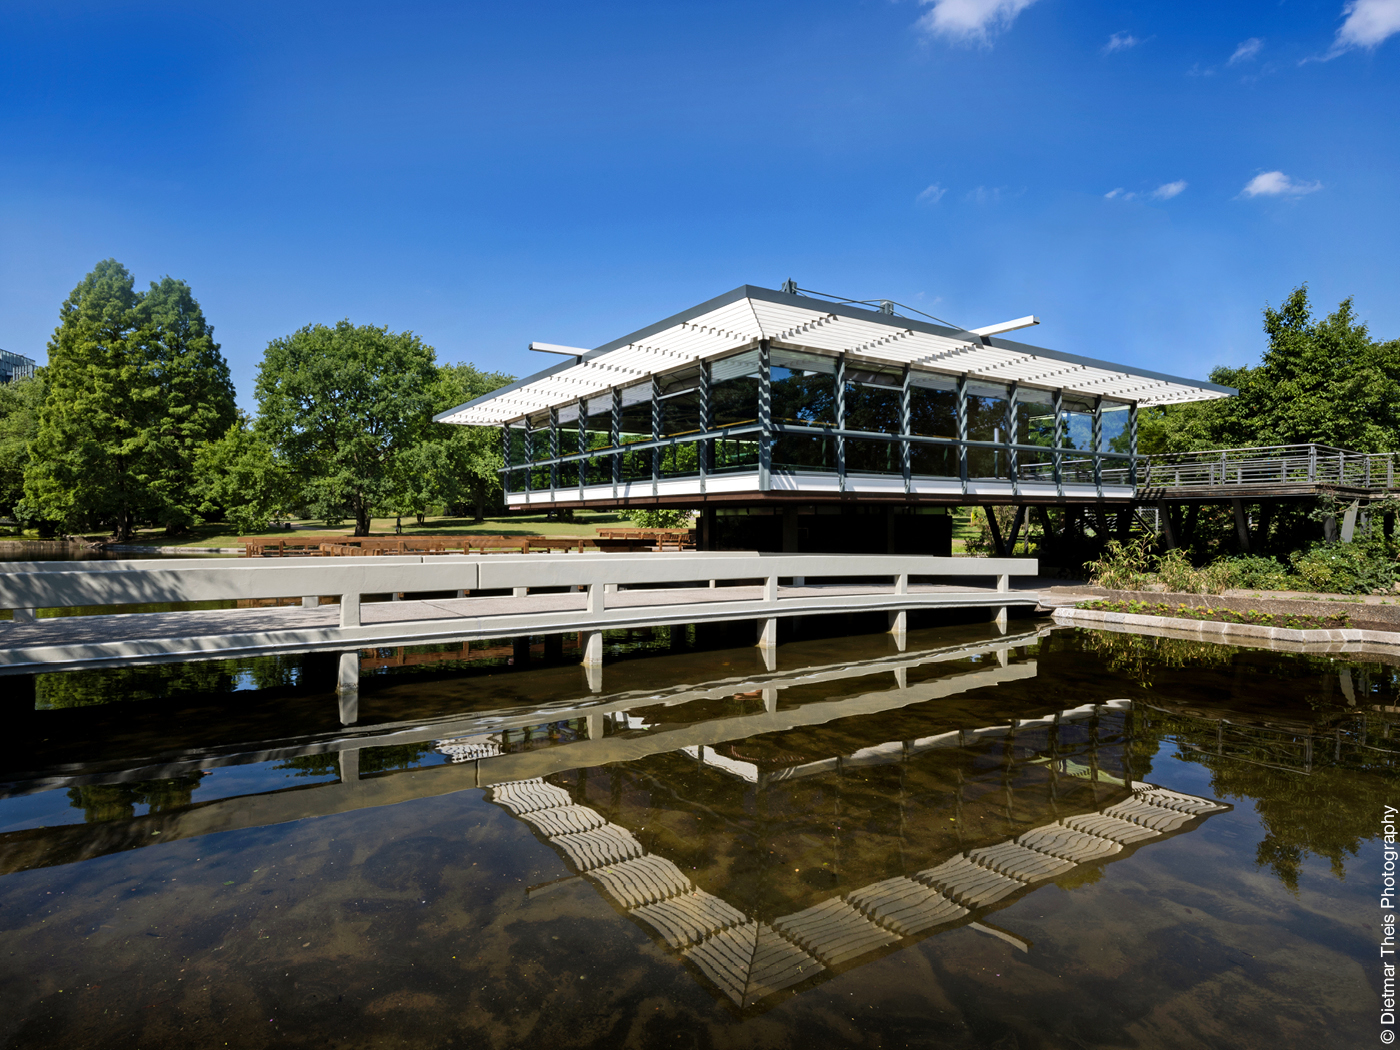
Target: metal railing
point(1259, 467)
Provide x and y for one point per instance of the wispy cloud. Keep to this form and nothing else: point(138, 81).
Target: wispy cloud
point(1277, 184)
point(1120, 42)
point(1368, 23)
point(932, 195)
point(984, 194)
point(969, 21)
point(1247, 50)
point(1119, 194)
point(1168, 190)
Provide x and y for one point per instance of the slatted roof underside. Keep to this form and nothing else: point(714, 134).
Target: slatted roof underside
point(811, 324)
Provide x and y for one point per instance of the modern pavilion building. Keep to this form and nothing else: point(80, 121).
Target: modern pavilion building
point(796, 423)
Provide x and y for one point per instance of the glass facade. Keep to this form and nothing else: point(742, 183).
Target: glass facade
point(779, 411)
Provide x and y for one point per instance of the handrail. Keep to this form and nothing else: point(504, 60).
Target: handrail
point(27, 586)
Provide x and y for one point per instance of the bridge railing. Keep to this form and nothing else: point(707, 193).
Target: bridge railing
point(1269, 465)
point(1235, 468)
point(27, 586)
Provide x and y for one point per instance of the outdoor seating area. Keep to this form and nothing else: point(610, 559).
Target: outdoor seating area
point(621, 541)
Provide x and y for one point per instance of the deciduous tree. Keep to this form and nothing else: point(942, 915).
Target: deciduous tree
point(340, 404)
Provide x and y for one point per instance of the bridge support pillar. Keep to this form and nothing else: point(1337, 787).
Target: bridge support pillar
point(22, 614)
point(1000, 618)
point(593, 649)
point(1241, 524)
point(768, 633)
point(350, 765)
point(553, 646)
point(594, 673)
point(901, 677)
point(520, 652)
point(596, 729)
point(770, 700)
point(770, 658)
point(899, 627)
point(347, 687)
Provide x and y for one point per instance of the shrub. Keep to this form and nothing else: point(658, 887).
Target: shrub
point(1123, 566)
point(1344, 568)
point(663, 519)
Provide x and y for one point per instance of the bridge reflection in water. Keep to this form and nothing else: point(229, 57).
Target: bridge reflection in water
point(733, 819)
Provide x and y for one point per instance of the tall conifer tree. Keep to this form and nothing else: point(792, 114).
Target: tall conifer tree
point(135, 384)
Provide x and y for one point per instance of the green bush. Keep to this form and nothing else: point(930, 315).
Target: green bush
point(1258, 572)
point(1344, 568)
point(663, 519)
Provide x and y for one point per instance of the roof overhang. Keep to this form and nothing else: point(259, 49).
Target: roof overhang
point(746, 315)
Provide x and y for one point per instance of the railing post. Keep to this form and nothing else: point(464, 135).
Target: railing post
point(1132, 445)
point(583, 445)
point(596, 600)
point(1096, 442)
point(553, 452)
point(1058, 440)
point(1013, 461)
point(350, 610)
point(1312, 462)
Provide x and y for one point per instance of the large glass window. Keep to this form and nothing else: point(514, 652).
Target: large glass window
point(933, 412)
point(734, 389)
point(598, 435)
point(804, 394)
point(734, 402)
point(1078, 423)
point(804, 388)
point(1035, 425)
point(933, 405)
point(872, 404)
point(568, 444)
point(635, 427)
point(1116, 434)
point(986, 421)
point(680, 415)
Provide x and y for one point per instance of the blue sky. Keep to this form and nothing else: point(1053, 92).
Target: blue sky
point(1143, 176)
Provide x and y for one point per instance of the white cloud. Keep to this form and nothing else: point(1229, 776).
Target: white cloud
point(969, 21)
point(1120, 42)
point(1247, 50)
point(1368, 23)
point(984, 195)
point(1168, 190)
point(1114, 193)
point(1277, 184)
point(932, 195)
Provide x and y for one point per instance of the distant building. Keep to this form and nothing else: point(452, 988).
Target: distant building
point(14, 366)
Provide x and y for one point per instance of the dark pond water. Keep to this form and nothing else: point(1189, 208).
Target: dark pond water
point(1043, 839)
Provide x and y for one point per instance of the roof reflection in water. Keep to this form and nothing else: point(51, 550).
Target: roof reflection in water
point(1053, 776)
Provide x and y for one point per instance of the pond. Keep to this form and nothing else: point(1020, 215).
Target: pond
point(1047, 838)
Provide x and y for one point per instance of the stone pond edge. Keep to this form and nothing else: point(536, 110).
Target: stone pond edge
point(1225, 631)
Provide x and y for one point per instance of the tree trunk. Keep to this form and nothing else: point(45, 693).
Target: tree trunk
point(361, 520)
point(480, 494)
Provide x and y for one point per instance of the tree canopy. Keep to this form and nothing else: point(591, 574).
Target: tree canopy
point(134, 385)
point(341, 404)
point(1320, 381)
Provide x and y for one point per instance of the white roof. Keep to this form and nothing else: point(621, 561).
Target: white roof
point(741, 318)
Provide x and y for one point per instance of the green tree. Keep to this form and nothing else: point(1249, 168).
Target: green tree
point(1324, 382)
point(339, 405)
point(19, 423)
point(134, 385)
point(473, 453)
point(241, 480)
